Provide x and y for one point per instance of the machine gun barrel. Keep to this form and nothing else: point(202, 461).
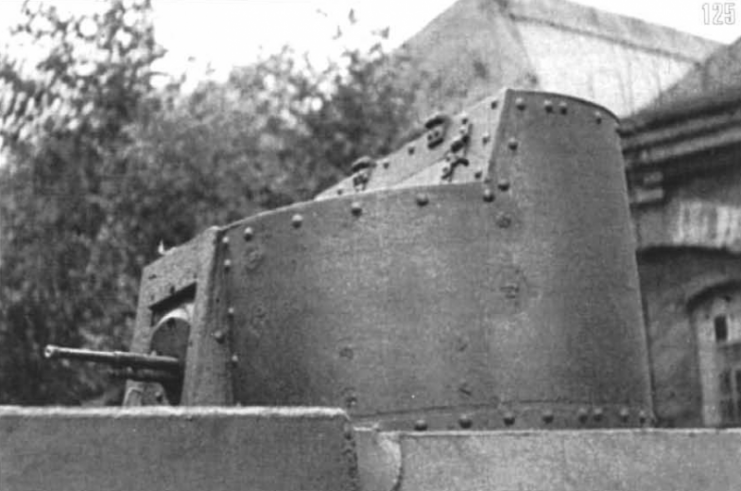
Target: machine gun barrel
point(118, 359)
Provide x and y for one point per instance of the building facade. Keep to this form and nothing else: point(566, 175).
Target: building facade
point(683, 157)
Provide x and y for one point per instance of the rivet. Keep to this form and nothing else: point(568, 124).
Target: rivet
point(509, 418)
point(297, 220)
point(230, 311)
point(356, 209)
point(624, 414)
point(248, 233)
point(465, 421)
point(494, 103)
point(219, 336)
point(351, 401)
point(642, 417)
point(234, 359)
point(227, 264)
point(597, 414)
point(548, 416)
point(225, 240)
point(563, 107)
point(420, 425)
point(513, 144)
point(339, 192)
point(348, 433)
point(520, 103)
point(503, 184)
point(598, 117)
point(422, 199)
point(488, 195)
point(478, 174)
point(582, 414)
point(410, 149)
point(485, 138)
point(386, 163)
point(548, 106)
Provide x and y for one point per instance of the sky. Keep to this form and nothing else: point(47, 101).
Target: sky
point(224, 33)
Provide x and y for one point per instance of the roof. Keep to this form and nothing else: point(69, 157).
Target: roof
point(479, 46)
point(718, 76)
point(699, 113)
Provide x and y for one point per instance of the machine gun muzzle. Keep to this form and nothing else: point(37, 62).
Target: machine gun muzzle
point(134, 366)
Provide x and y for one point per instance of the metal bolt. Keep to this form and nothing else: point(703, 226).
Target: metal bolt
point(488, 195)
point(485, 138)
point(520, 103)
point(598, 413)
point(513, 144)
point(465, 421)
point(420, 425)
point(598, 117)
point(582, 414)
point(248, 233)
point(422, 199)
point(624, 414)
point(356, 209)
point(548, 416)
point(563, 107)
point(509, 418)
point(227, 264)
point(503, 184)
point(362, 163)
point(297, 220)
point(225, 241)
point(410, 149)
point(347, 432)
point(219, 336)
point(548, 105)
point(494, 103)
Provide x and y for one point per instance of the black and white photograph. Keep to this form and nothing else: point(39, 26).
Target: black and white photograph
point(325, 245)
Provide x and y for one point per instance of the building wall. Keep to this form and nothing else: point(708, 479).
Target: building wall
point(621, 77)
point(690, 272)
point(477, 47)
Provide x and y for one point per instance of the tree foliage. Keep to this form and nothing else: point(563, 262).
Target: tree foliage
point(102, 167)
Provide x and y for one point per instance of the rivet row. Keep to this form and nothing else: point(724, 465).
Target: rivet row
point(465, 421)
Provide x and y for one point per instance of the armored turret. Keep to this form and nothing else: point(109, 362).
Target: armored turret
point(482, 276)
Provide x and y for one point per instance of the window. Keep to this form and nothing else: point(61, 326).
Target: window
point(721, 328)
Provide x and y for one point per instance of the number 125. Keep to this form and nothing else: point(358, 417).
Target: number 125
point(719, 13)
